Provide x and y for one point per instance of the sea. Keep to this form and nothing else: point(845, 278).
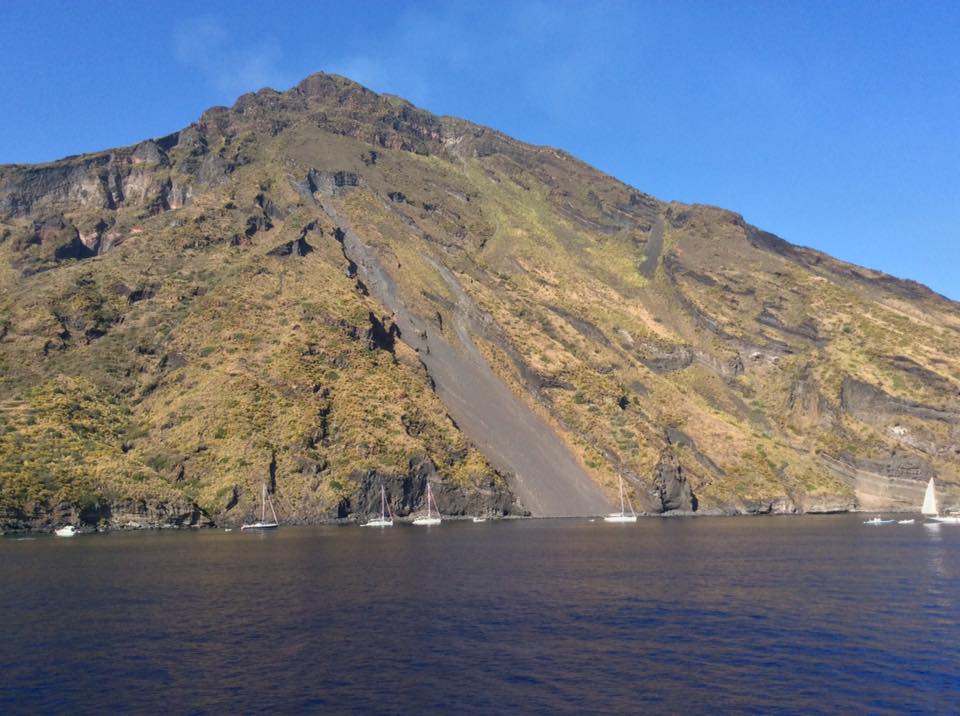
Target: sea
point(778, 614)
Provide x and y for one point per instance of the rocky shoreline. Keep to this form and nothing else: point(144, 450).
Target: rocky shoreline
point(357, 519)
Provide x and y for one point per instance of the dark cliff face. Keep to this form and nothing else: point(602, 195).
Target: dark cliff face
point(308, 278)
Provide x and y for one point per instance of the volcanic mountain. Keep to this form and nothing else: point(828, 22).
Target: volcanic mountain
point(324, 289)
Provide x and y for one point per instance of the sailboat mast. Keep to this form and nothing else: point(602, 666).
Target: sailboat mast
point(263, 504)
point(621, 494)
point(383, 503)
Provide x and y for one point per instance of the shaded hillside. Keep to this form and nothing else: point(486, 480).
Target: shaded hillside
point(325, 287)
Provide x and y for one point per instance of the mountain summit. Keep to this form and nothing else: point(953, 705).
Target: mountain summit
point(326, 288)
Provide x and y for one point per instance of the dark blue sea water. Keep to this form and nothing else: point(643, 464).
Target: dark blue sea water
point(778, 614)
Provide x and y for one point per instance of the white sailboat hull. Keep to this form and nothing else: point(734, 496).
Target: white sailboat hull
point(68, 531)
point(260, 526)
point(429, 519)
point(620, 518)
point(379, 523)
point(947, 520)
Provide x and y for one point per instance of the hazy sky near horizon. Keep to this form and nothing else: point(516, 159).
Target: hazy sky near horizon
point(835, 125)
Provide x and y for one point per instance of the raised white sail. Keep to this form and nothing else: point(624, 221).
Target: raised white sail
point(930, 501)
point(931, 510)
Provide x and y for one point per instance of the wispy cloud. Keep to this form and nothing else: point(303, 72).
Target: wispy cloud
point(205, 45)
point(518, 46)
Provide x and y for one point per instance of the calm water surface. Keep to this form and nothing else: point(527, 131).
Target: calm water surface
point(764, 615)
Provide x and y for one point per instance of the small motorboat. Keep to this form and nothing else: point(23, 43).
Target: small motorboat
point(878, 521)
point(905, 522)
point(478, 520)
point(68, 531)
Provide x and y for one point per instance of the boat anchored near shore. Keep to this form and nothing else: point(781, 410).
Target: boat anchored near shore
point(383, 520)
point(622, 516)
point(931, 510)
point(262, 523)
point(68, 531)
point(429, 519)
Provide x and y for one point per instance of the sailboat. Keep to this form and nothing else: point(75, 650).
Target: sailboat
point(68, 531)
point(930, 509)
point(429, 519)
point(622, 515)
point(382, 521)
point(262, 523)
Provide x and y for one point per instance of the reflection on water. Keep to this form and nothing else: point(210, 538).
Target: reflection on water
point(761, 614)
point(937, 551)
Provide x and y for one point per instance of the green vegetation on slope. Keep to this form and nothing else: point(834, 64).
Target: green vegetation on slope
point(178, 322)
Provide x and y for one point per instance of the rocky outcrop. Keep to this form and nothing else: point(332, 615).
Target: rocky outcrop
point(124, 513)
point(331, 183)
point(671, 485)
point(871, 404)
point(406, 494)
point(806, 329)
point(382, 334)
point(924, 375)
point(108, 180)
point(806, 405)
point(297, 248)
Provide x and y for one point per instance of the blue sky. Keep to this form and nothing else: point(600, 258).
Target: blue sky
point(835, 125)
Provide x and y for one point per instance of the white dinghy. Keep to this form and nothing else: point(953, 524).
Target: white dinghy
point(68, 531)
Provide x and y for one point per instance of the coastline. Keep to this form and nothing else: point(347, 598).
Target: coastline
point(358, 520)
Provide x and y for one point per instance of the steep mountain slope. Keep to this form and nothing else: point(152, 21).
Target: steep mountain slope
point(326, 287)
